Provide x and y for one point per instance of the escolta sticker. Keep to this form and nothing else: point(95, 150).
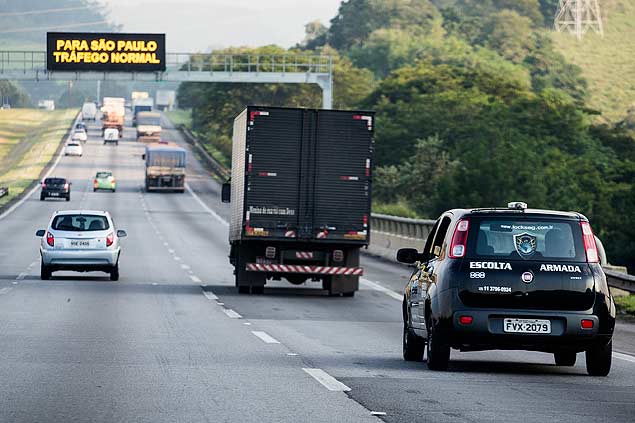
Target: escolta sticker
point(114, 52)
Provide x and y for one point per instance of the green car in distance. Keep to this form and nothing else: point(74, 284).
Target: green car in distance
point(104, 180)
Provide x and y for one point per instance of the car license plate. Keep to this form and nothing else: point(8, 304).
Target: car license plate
point(526, 326)
point(55, 194)
point(82, 243)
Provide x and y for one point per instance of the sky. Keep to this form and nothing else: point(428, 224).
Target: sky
point(198, 25)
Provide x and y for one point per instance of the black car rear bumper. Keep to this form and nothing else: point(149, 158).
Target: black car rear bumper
point(486, 332)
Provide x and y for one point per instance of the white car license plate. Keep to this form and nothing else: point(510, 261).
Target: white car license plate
point(526, 326)
point(81, 243)
point(55, 194)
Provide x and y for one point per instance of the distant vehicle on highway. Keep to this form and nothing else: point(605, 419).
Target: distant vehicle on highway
point(104, 180)
point(111, 135)
point(89, 111)
point(73, 148)
point(143, 104)
point(165, 99)
point(81, 125)
point(148, 126)
point(509, 278)
point(165, 167)
point(5, 106)
point(80, 241)
point(79, 135)
point(300, 197)
point(55, 188)
point(46, 104)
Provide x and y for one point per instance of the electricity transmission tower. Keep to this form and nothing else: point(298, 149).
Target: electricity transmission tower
point(578, 17)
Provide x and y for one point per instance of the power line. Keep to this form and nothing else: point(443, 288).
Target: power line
point(48, 28)
point(39, 12)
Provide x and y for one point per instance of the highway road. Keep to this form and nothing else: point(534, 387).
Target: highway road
point(173, 341)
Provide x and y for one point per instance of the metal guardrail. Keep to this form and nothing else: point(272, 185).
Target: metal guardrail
point(28, 61)
point(4, 191)
point(620, 280)
point(215, 166)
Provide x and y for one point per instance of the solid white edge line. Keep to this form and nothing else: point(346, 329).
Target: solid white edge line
point(5, 290)
point(207, 209)
point(232, 314)
point(376, 287)
point(265, 337)
point(624, 357)
point(46, 175)
point(328, 381)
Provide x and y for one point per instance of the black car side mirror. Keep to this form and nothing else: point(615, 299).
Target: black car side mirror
point(143, 156)
point(40, 233)
point(121, 233)
point(226, 192)
point(408, 255)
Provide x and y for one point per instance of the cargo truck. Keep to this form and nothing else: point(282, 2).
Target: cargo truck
point(148, 126)
point(165, 167)
point(113, 114)
point(141, 105)
point(300, 197)
point(165, 99)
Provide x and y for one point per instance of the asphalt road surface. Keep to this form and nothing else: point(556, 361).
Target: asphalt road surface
point(172, 341)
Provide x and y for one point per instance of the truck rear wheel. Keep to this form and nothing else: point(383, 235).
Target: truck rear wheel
point(248, 281)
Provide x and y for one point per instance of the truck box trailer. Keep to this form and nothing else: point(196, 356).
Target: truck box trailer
point(300, 196)
point(165, 99)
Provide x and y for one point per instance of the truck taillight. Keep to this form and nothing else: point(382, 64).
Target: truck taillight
point(110, 239)
point(590, 247)
point(459, 239)
point(50, 239)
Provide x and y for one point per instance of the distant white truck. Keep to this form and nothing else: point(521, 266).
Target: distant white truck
point(89, 111)
point(165, 99)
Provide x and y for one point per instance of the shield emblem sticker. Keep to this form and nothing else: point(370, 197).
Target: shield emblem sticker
point(525, 244)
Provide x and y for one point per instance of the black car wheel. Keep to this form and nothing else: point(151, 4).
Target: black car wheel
point(598, 359)
point(413, 346)
point(68, 197)
point(42, 197)
point(45, 272)
point(565, 358)
point(243, 289)
point(438, 350)
point(114, 273)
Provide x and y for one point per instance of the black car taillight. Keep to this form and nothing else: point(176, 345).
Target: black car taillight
point(459, 239)
point(590, 248)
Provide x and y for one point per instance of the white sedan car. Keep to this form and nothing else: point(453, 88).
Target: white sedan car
point(79, 135)
point(73, 148)
point(80, 241)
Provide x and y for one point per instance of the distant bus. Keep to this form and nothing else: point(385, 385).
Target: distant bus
point(165, 167)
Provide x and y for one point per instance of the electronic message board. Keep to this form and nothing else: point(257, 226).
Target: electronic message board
point(114, 52)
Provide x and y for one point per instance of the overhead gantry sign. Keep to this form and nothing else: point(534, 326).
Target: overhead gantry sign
point(111, 52)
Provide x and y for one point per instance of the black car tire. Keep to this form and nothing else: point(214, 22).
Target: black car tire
point(42, 197)
point(413, 346)
point(565, 358)
point(438, 350)
point(45, 272)
point(114, 273)
point(94, 189)
point(68, 197)
point(598, 359)
point(243, 289)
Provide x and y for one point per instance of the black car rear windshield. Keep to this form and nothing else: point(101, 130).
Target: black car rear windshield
point(526, 239)
point(80, 223)
point(54, 181)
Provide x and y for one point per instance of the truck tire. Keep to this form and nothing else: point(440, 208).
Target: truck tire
point(247, 281)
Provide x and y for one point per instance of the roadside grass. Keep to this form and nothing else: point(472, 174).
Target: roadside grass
point(180, 117)
point(607, 62)
point(28, 140)
point(396, 209)
point(625, 304)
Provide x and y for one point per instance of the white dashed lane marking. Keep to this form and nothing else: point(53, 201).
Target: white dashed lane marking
point(5, 290)
point(209, 295)
point(232, 314)
point(328, 381)
point(195, 279)
point(265, 337)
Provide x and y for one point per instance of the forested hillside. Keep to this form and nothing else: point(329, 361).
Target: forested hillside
point(475, 107)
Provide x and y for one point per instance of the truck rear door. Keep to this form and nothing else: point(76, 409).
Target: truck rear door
point(342, 175)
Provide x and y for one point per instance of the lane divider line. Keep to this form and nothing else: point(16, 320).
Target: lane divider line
point(209, 295)
point(232, 314)
point(5, 290)
point(328, 381)
point(265, 337)
point(21, 276)
point(624, 357)
point(377, 287)
point(207, 209)
point(195, 279)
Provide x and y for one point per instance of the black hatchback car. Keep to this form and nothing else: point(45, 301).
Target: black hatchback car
point(514, 279)
point(55, 188)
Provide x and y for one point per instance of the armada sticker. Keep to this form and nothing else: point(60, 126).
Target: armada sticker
point(560, 268)
point(493, 265)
